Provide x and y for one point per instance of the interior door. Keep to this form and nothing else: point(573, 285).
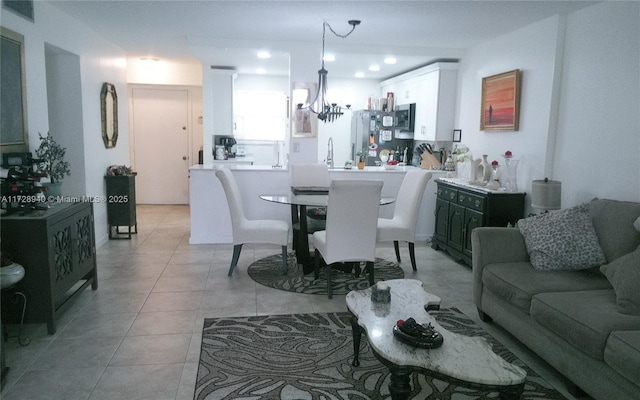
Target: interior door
point(161, 145)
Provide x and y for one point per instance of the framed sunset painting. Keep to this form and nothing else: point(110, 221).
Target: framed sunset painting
point(500, 107)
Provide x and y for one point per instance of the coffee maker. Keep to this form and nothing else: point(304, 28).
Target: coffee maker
point(229, 144)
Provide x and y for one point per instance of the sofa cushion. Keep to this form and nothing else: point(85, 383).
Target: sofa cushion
point(624, 275)
point(622, 353)
point(613, 222)
point(564, 239)
point(584, 319)
point(517, 283)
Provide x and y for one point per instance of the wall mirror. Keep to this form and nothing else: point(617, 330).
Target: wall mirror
point(109, 112)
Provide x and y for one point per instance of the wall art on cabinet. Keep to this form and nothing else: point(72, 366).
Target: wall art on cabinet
point(500, 105)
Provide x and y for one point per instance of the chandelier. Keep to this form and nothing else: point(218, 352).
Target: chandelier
point(328, 111)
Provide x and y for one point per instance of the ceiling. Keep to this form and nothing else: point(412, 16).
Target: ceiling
point(230, 33)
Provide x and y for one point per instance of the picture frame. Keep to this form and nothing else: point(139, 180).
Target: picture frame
point(457, 135)
point(304, 123)
point(24, 8)
point(14, 135)
point(500, 102)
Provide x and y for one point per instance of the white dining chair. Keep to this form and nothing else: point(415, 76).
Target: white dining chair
point(402, 226)
point(352, 215)
point(250, 231)
point(312, 175)
point(309, 175)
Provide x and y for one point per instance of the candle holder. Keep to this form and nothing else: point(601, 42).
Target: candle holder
point(381, 293)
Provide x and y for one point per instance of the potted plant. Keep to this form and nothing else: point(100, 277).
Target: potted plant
point(52, 163)
point(362, 157)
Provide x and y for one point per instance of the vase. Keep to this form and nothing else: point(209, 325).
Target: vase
point(509, 177)
point(360, 164)
point(53, 189)
point(483, 170)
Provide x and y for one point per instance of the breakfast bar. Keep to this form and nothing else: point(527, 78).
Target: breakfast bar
point(210, 219)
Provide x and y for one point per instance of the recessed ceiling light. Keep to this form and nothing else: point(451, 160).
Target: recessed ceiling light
point(329, 57)
point(264, 54)
point(261, 71)
point(390, 60)
point(359, 74)
point(374, 68)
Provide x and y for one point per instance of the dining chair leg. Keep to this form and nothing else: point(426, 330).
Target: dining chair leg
point(316, 265)
point(234, 260)
point(284, 260)
point(397, 249)
point(369, 269)
point(412, 255)
point(329, 291)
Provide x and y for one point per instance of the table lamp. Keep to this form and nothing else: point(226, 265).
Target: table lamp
point(546, 194)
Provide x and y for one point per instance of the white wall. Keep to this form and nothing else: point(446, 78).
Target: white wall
point(579, 105)
point(598, 145)
point(100, 61)
point(531, 49)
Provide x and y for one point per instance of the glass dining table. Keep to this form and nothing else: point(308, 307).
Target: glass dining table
point(299, 204)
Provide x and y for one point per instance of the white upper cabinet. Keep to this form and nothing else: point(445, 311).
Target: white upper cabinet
point(433, 90)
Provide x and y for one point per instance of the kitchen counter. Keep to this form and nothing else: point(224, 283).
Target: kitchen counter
point(235, 166)
point(210, 220)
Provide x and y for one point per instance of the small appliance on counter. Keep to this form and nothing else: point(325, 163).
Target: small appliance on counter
point(224, 146)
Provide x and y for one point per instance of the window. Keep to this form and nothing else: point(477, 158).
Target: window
point(260, 115)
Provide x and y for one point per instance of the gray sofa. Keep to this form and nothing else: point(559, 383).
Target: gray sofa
point(570, 318)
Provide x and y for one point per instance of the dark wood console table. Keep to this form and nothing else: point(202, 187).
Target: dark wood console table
point(57, 249)
point(461, 208)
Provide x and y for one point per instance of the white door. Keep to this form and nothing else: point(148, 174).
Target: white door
point(161, 145)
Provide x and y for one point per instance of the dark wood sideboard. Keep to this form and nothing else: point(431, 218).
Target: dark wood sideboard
point(460, 209)
point(57, 249)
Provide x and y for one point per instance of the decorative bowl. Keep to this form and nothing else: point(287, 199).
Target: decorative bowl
point(390, 166)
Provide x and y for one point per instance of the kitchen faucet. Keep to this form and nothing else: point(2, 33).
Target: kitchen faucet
point(330, 153)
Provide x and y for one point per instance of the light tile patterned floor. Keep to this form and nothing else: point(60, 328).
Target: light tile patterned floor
point(138, 336)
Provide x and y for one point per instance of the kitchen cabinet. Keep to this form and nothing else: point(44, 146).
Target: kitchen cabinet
point(462, 208)
point(57, 249)
point(436, 104)
point(433, 90)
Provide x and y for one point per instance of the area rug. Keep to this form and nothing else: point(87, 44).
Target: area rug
point(308, 356)
point(268, 272)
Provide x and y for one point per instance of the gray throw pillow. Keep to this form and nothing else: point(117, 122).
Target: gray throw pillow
point(562, 240)
point(624, 276)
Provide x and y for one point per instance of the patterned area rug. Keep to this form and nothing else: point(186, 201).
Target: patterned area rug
point(308, 356)
point(268, 272)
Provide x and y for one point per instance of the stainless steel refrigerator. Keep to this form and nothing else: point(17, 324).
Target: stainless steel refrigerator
point(376, 131)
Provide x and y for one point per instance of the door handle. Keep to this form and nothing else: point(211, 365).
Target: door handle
point(184, 158)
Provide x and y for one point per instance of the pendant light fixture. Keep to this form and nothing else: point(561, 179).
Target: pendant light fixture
point(328, 112)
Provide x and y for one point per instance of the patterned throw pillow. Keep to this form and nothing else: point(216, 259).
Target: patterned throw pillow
point(624, 276)
point(562, 240)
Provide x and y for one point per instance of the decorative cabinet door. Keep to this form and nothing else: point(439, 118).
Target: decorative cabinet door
point(472, 219)
point(442, 220)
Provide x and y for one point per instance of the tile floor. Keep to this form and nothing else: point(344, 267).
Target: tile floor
point(138, 335)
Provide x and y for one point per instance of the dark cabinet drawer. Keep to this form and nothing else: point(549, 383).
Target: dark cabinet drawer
point(447, 193)
point(471, 201)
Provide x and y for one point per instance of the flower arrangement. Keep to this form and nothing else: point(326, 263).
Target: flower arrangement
point(52, 156)
point(462, 154)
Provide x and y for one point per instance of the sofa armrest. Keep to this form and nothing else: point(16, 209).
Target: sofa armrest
point(492, 245)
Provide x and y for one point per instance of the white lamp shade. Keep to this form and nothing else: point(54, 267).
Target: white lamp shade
point(546, 194)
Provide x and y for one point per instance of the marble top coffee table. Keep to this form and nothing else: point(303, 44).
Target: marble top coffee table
point(461, 360)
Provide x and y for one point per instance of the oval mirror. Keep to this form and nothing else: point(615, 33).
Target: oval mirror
point(109, 112)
